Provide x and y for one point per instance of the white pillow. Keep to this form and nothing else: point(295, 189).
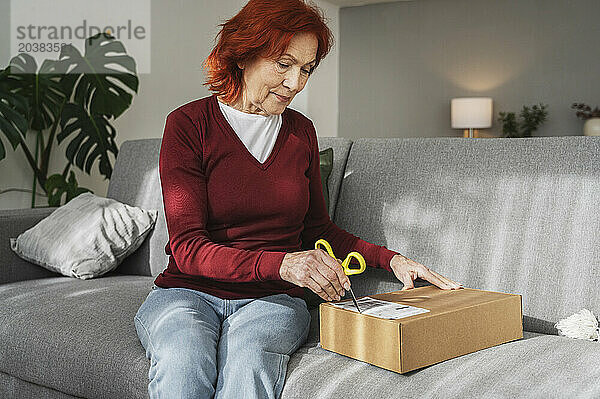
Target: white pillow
point(87, 237)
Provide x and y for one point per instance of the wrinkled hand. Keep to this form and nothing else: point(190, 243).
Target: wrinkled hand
point(316, 270)
point(407, 270)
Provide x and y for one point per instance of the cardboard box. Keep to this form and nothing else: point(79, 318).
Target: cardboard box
point(458, 322)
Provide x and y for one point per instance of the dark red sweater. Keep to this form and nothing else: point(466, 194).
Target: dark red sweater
point(231, 219)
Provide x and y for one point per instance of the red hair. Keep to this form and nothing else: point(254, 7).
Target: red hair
point(262, 28)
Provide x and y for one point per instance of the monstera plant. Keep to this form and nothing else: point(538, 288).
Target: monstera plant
point(73, 98)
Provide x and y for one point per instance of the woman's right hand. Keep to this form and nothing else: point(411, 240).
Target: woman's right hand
point(316, 270)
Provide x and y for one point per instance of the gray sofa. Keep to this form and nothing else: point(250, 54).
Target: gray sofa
point(511, 215)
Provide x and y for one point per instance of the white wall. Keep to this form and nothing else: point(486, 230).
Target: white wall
point(401, 63)
point(319, 99)
point(182, 35)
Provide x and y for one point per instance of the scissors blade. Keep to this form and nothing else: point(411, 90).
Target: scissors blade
point(354, 300)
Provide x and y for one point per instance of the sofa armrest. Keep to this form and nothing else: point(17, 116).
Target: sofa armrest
point(12, 223)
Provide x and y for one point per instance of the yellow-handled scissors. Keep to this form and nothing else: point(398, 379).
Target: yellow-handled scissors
point(346, 264)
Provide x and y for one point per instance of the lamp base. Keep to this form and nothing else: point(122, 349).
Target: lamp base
point(471, 133)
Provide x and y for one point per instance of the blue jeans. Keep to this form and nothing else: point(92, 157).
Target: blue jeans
point(202, 346)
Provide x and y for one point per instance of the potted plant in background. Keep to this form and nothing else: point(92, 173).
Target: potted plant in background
point(531, 118)
point(591, 127)
point(77, 97)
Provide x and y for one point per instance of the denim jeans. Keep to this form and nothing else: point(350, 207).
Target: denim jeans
point(202, 346)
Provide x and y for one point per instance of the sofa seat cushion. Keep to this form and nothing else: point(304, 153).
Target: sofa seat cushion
point(78, 337)
point(75, 336)
point(538, 366)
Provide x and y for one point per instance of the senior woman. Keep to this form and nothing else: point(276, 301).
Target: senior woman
point(243, 205)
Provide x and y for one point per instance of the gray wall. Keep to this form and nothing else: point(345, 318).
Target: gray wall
point(182, 36)
point(401, 63)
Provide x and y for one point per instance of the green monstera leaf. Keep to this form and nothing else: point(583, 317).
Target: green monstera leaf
point(42, 89)
point(56, 186)
point(99, 86)
point(78, 94)
point(94, 138)
point(13, 111)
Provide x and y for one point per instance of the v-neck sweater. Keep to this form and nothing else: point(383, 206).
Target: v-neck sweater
point(230, 218)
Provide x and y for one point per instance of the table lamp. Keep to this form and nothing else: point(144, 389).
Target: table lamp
point(471, 113)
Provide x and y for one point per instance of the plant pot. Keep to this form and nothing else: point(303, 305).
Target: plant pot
point(592, 127)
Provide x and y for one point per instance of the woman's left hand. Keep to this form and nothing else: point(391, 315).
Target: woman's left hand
point(407, 270)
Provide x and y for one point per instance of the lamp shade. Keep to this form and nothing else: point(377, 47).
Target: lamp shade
point(471, 112)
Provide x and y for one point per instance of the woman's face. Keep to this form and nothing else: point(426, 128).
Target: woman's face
point(265, 79)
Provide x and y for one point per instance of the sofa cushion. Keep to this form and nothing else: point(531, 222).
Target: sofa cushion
point(517, 215)
point(341, 148)
point(326, 166)
point(78, 337)
point(87, 237)
point(538, 366)
point(75, 336)
point(13, 387)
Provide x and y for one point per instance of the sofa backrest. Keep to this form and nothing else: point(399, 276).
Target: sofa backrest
point(135, 181)
point(518, 215)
